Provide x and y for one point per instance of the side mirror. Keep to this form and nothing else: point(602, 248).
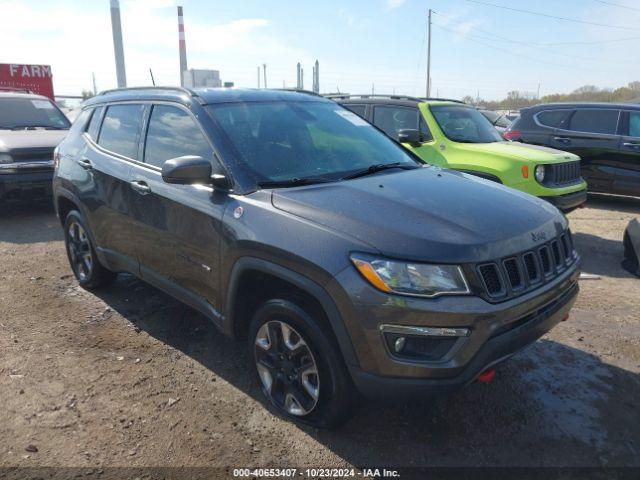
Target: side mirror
point(187, 170)
point(412, 137)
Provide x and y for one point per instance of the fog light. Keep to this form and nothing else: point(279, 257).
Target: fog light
point(399, 345)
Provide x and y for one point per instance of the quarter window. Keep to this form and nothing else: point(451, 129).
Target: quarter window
point(393, 119)
point(554, 118)
point(595, 121)
point(94, 124)
point(121, 129)
point(173, 133)
point(357, 109)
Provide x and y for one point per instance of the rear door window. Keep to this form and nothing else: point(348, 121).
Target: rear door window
point(173, 133)
point(554, 118)
point(121, 128)
point(357, 109)
point(392, 119)
point(595, 121)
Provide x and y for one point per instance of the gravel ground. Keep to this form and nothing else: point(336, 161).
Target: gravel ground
point(130, 377)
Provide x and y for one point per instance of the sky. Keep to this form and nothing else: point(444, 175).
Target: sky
point(477, 49)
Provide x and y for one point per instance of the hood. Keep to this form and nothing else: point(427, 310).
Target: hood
point(521, 151)
point(27, 139)
point(427, 214)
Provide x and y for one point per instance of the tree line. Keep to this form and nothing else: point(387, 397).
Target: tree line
point(588, 93)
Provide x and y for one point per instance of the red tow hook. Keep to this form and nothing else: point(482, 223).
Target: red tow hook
point(487, 375)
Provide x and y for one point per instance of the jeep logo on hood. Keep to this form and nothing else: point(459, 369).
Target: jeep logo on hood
point(538, 236)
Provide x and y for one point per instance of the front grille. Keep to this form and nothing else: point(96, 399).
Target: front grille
point(531, 266)
point(546, 260)
point(32, 154)
point(562, 173)
point(513, 273)
point(491, 278)
point(519, 273)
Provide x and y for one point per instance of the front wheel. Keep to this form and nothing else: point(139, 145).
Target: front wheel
point(298, 366)
point(82, 255)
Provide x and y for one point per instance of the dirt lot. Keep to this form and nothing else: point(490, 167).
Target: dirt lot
point(130, 377)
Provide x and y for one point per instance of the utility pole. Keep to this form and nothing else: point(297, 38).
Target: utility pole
point(538, 91)
point(93, 77)
point(118, 49)
point(258, 76)
point(373, 89)
point(429, 58)
point(264, 67)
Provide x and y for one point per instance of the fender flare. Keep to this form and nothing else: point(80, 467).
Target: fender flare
point(302, 282)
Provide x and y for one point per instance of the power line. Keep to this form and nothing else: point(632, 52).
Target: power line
point(528, 44)
point(508, 52)
point(540, 14)
point(618, 5)
point(545, 44)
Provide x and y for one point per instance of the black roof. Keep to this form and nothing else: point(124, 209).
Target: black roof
point(564, 105)
point(204, 96)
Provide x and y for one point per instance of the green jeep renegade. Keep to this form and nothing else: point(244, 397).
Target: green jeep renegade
point(451, 134)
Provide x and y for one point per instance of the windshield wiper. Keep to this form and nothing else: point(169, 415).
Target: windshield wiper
point(31, 127)
point(292, 182)
point(378, 168)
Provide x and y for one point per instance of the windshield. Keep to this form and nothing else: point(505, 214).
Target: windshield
point(278, 141)
point(19, 113)
point(465, 124)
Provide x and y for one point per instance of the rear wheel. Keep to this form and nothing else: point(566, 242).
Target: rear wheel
point(298, 366)
point(82, 256)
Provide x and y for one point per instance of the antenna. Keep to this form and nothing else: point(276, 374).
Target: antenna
point(152, 79)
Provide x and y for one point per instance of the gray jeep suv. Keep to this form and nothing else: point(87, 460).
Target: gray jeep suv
point(291, 222)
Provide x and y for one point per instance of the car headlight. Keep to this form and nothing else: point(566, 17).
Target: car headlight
point(5, 158)
point(407, 278)
point(540, 173)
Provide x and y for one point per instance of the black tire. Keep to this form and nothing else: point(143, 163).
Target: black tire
point(337, 396)
point(88, 270)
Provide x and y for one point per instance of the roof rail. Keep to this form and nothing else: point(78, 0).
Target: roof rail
point(299, 90)
point(128, 89)
point(437, 99)
point(346, 96)
point(15, 89)
point(392, 97)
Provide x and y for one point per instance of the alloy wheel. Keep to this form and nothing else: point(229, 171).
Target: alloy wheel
point(80, 251)
point(287, 368)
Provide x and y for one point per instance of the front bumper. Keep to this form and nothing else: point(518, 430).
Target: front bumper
point(568, 201)
point(497, 331)
point(26, 185)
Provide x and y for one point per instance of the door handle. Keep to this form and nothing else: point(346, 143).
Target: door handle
point(564, 140)
point(635, 146)
point(141, 187)
point(85, 163)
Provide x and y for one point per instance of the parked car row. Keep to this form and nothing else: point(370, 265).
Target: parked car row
point(347, 263)
point(325, 236)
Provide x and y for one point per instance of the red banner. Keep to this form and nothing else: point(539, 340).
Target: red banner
point(35, 78)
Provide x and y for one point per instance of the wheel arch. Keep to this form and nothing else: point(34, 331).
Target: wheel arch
point(273, 279)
